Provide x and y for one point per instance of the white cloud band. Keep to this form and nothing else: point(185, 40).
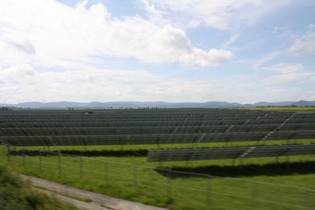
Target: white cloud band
point(51, 34)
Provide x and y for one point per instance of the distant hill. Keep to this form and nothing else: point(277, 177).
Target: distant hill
point(303, 103)
point(284, 103)
point(158, 104)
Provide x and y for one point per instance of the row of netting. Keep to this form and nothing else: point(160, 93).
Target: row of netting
point(30, 132)
point(141, 112)
point(230, 153)
point(139, 115)
point(162, 186)
point(86, 130)
point(158, 139)
point(163, 119)
point(149, 122)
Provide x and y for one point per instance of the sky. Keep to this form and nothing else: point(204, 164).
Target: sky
point(243, 51)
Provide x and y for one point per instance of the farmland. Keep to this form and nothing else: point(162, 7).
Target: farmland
point(305, 109)
point(119, 167)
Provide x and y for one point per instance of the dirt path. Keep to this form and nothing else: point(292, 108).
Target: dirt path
point(97, 201)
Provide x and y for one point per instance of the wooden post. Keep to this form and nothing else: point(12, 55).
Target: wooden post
point(208, 191)
point(135, 175)
point(40, 160)
point(81, 167)
point(169, 184)
point(254, 194)
point(59, 164)
point(106, 171)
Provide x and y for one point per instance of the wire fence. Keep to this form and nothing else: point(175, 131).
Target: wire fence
point(200, 191)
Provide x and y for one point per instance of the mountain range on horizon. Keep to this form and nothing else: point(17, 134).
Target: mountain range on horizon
point(157, 104)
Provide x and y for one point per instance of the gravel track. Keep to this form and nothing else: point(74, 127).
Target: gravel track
point(97, 201)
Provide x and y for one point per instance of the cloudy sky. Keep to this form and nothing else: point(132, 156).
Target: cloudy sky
point(242, 51)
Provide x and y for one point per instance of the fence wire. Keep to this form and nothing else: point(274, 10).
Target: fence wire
point(185, 189)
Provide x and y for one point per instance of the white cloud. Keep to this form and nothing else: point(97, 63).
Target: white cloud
point(38, 37)
point(288, 73)
point(223, 14)
point(232, 15)
point(304, 45)
point(211, 58)
point(285, 67)
point(22, 83)
point(300, 77)
point(268, 57)
point(47, 33)
point(232, 39)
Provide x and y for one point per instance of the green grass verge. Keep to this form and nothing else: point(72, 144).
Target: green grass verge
point(16, 193)
point(126, 174)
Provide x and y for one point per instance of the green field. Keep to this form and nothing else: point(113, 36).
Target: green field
point(127, 174)
point(305, 109)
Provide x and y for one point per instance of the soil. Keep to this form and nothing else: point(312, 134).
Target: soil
point(85, 199)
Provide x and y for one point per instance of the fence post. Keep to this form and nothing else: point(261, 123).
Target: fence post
point(40, 160)
point(208, 191)
point(59, 164)
point(81, 167)
point(106, 170)
point(254, 194)
point(169, 184)
point(308, 204)
point(135, 175)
